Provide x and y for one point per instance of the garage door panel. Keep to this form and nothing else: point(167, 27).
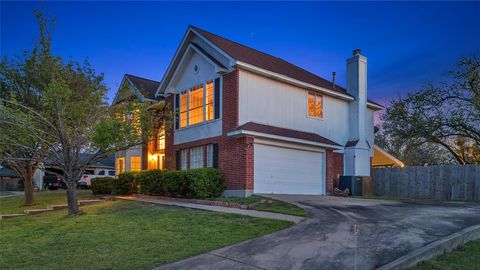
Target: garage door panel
point(287, 171)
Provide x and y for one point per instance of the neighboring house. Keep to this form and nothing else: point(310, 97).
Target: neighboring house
point(135, 158)
point(382, 159)
point(104, 166)
point(9, 179)
point(268, 125)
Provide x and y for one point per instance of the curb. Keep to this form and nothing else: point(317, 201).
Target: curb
point(434, 249)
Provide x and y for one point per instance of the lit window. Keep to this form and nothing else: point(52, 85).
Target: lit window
point(135, 163)
point(315, 105)
point(209, 112)
point(183, 154)
point(183, 109)
point(161, 140)
point(120, 165)
point(196, 157)
point(195, 110)
point(197, 105)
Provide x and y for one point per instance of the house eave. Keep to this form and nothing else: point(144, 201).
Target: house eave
point(243, 133)
point(289, 80)
point(374, 106)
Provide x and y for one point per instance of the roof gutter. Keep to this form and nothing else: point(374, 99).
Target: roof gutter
point(374, 106)
point(242, 133)
point(289, 80)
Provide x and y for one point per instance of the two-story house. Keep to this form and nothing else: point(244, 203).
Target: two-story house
point(268, 125)
point(136, 158)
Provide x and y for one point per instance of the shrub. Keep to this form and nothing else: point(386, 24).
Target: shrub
point(151, 182)
point(205, 183)
point(102, 185)
point(176, 184)
point(196, 183)
point(125, 184)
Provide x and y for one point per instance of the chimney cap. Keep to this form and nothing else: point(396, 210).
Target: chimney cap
point(357, 52)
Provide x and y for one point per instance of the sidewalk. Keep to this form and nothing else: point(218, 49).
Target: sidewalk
point(252, 213)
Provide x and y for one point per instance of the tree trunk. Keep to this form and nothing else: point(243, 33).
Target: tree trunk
point(28, 185)
point(73, 208)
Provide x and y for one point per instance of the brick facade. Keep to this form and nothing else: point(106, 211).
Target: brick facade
point(235, 155)
point(334, 169)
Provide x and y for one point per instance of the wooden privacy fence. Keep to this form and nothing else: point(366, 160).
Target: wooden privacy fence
point(440, 182)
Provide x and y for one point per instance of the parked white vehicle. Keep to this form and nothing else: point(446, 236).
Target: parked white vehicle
point(86, 180)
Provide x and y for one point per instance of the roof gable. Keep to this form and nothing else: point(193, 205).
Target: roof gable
point(136, 87)
point(146, 87)
point(268, 62)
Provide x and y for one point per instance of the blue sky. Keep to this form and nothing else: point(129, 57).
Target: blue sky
point(407, 43)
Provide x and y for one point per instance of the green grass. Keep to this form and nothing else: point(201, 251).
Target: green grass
point(121, 235)
point(275, 205)
point(15, 204)
point(463, 258)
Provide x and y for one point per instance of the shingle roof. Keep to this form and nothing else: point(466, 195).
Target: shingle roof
point(268, 62)
point(146, 86)
point(6, 172)
point(351, 143)
point(285, 132)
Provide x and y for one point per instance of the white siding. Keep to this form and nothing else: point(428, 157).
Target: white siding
point(132, 151)
point(266, 101)
point(370, 129)
point(186, 78)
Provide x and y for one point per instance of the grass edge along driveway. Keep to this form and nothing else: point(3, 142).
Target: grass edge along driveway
point(122, 235)
point(266, 204)
point(466, 257)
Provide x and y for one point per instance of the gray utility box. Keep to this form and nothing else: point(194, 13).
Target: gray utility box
point(353, 183)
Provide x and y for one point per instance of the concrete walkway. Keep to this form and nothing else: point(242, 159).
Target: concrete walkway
point(7, 194)
point(252, 213)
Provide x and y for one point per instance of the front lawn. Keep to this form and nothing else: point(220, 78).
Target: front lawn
point(268, 205)
point(463, 258)
point(121, 235)
point(15, 204)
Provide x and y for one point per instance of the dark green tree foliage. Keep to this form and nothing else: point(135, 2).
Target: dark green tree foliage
point(73, 119)
point(446, 116)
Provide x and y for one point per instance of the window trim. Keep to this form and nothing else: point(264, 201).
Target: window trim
point(315, 94)
point(117, 161)
point(187, 91)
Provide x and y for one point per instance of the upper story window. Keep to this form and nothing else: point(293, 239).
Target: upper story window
point(198, 104)
point(161, 139)
point(315, 105)
point(195, 108)
point(209, 112)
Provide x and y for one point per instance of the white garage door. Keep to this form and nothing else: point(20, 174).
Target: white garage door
point(288, 171)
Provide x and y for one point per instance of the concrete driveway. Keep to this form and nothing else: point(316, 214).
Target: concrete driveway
point(387, 231)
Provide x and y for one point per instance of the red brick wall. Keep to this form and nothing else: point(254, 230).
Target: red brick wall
point(169, 149)
point(334, 169)
point(235, 156)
